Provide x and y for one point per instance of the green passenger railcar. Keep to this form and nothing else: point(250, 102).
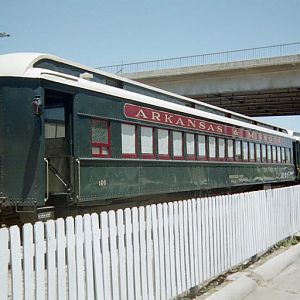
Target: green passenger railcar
point(70, 138)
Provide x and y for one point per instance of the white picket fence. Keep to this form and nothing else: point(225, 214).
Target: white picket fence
point(152, 252)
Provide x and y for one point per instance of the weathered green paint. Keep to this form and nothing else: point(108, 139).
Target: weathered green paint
point(132, 178)
point(22, 169)
point(21, 150)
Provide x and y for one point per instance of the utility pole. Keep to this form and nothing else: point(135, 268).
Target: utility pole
point(4, 34)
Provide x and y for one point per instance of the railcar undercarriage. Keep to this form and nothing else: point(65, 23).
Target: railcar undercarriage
point(61, 209)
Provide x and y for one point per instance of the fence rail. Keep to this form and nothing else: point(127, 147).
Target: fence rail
point(152, 252)
point(206, 59)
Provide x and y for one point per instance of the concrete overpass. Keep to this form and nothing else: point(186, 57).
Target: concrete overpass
point(259, 86)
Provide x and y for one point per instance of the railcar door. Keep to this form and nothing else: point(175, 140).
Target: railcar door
point(58, 146)
point(297, 158)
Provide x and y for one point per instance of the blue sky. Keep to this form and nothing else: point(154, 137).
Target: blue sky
point(97, 32)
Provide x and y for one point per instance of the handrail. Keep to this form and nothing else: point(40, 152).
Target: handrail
point(78, 174)
point(47, 179)
point(206, 59)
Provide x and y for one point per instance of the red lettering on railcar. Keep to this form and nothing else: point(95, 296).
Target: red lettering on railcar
point(165, 118)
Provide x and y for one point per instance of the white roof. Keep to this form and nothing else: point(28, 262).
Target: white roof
point(16, 64)
point(21, 65)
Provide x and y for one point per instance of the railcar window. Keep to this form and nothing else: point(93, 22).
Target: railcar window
point(288, 155)
point(238, 150)
point(245, 151)
point(129, 141)
point(230, 149)
point(163, 143)
point(258, 152)
point(100, 138)
point(264, 152)
point(201, 146)
point(54, 122)
point(252, 151)
point(274, 153)
point(278, 154)
point(212, 147)
point(282, 154)
point(177, 144)
point(269, 153)
point(190, 145)
point(147, 142)
point(221, 145)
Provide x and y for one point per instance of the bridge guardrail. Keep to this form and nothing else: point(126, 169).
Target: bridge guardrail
point(206, 59)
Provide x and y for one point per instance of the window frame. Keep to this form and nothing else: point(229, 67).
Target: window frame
point(283, 155)
point(258, 159)
point(101, 145)
point(177, 157)
point(216, 149)
point(148, 155)
point(243, 158)
point(130, 155)
point(278, 148)
point(274, 154)
point(164, 156)
point(269, 154)
point(191, 156)
point(263, 159)
point(233, 150)
point(241, 152)
point(201, 157)
point(288, 155)
point(249, 150)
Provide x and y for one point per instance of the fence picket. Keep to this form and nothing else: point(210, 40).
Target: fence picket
point(70, 241)
point(172, 249)
point(199, 240)
point(215, 247)
point(40, 249)
point(51, 259)
point(106, 254)
point(205, 235)
point(156, 258)
point(195, 241)
point(122, 254)
point(114, 255)
point(191, 244)
point(182, 247)
point(4, 261)
point(97, 257)
point(143, 257)
point(177, 266)
point(136, 253)
point(80, 276)
point(186, 245)
point(222, 232)
point(129, 254)
point(61, 260)
point(16, 268)
point(149, 247)
point(211, 238)
point(88, 255)
point(161, 251)
point(28, 261)
point(167, 250)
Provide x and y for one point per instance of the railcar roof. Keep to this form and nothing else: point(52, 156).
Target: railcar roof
point(22, 65)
